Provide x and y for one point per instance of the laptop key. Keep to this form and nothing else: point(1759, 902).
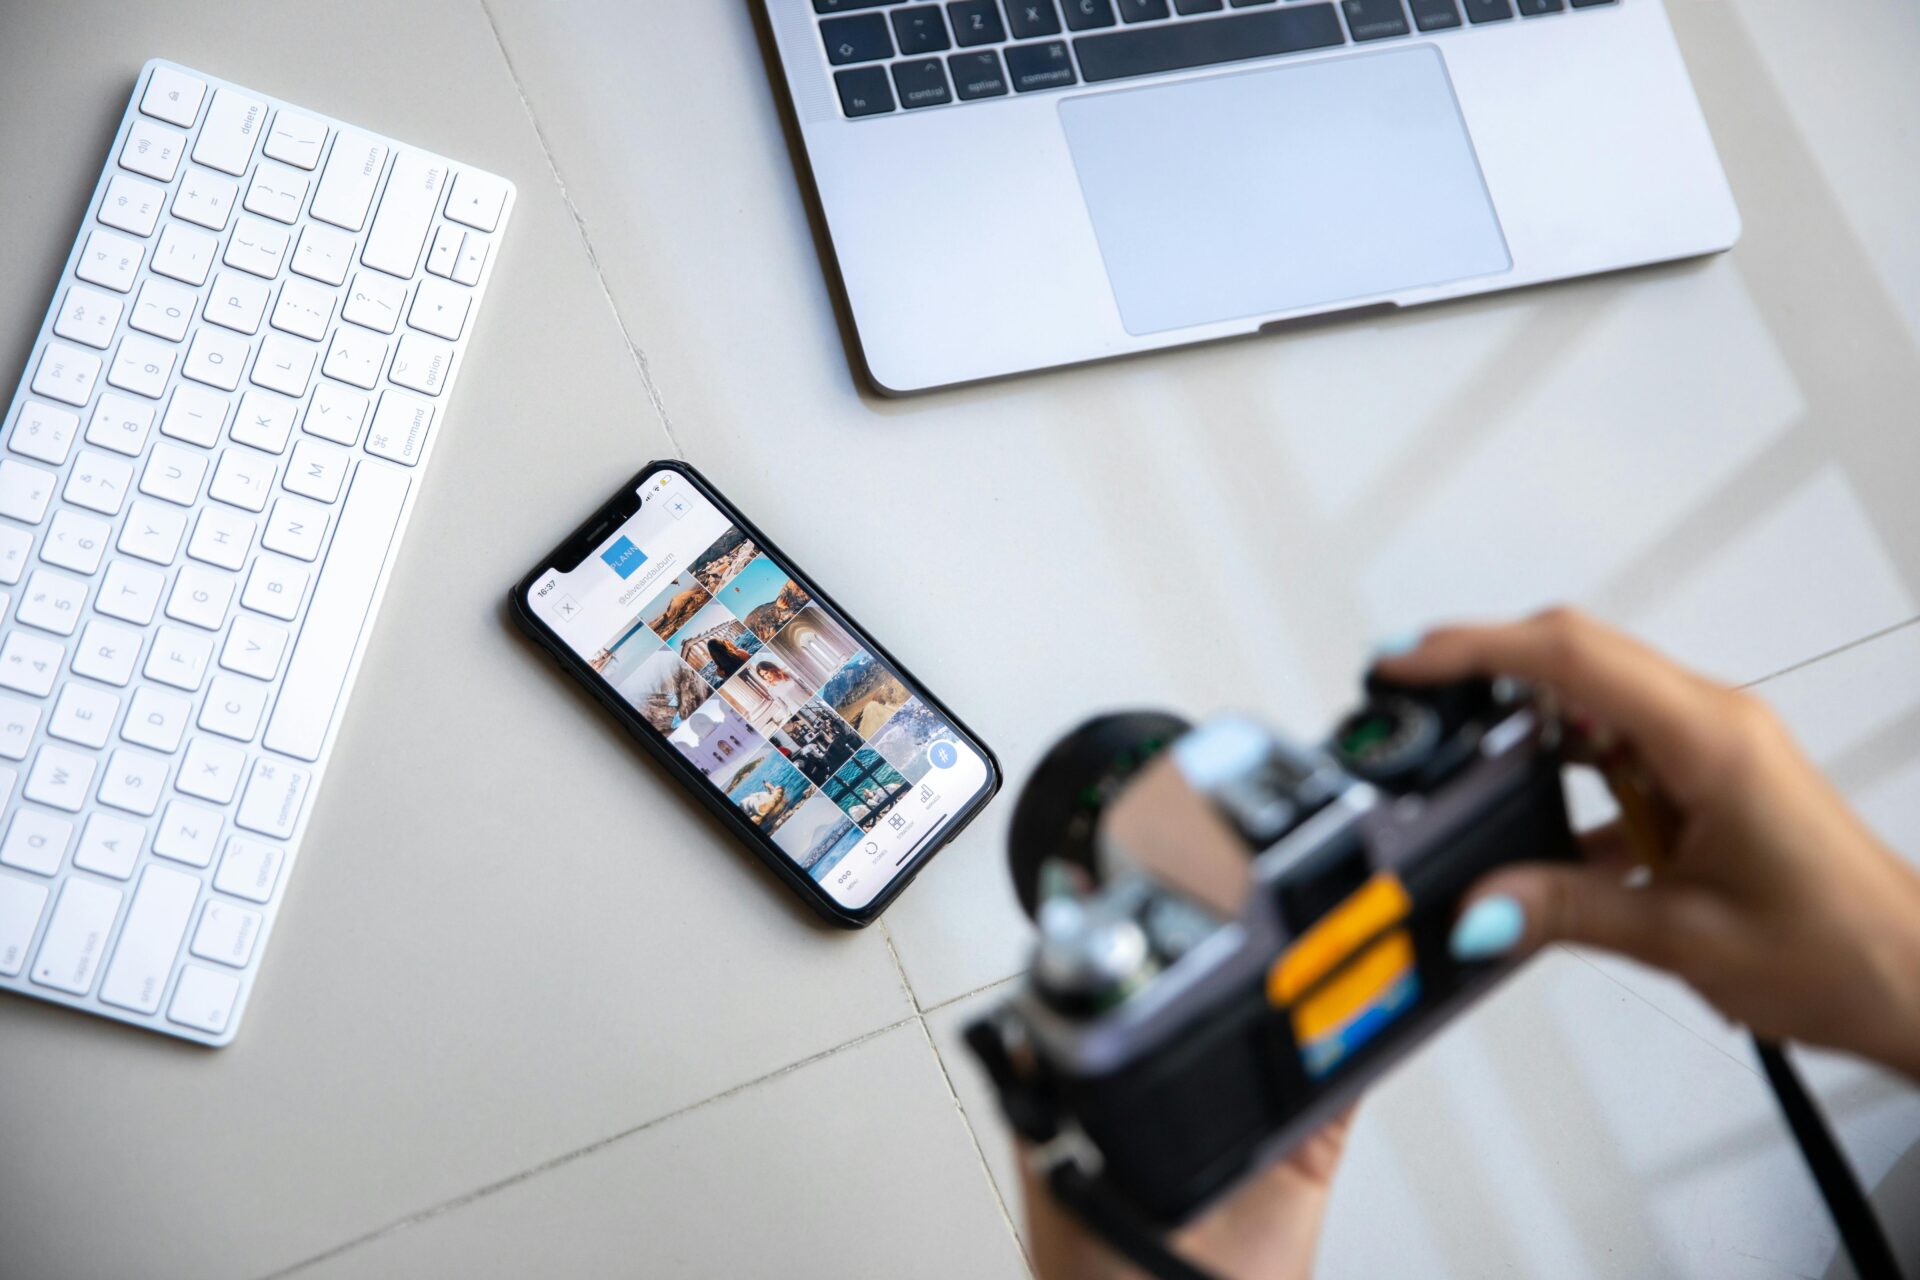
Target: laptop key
point(1199, 6)
point(1588, 4)
point(1142, 10)
point(864, 91)
point(920, 30)
point(1534, 8)
point(1375, 19)
point(1488, 10)
point(1434, 15)
point(1032, 18)
point(976, 22)
point(847, 6)
point(921, 84)
point(1145, 51)
point(1040, 66)
point(977, 75)
point(862, 38)
point(1248, 4)
point(1085, 15)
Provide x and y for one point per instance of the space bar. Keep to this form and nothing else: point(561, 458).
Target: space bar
point(339, 610)
point(1148, 50)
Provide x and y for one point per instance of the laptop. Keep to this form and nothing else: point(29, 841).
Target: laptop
point(1012, 185)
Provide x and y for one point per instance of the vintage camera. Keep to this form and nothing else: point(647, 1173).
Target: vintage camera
point(1236, 934)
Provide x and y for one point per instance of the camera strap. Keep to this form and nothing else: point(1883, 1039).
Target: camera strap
point(1117, 1227)
point(1860, 1232)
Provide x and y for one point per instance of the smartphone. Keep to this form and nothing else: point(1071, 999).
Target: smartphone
point(783, 715)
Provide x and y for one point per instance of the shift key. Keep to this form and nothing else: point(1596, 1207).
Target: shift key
point(406, 209)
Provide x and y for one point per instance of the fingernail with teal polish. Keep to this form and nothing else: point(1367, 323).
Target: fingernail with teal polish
point(1397, 644)
point(1491, 927)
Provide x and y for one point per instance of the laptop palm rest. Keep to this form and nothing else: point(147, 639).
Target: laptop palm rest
point(1289, 187)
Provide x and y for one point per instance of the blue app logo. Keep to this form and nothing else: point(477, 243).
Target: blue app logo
point(943, 755)
point(624, 556)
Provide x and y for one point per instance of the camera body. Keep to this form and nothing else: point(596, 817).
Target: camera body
point(1237, 934)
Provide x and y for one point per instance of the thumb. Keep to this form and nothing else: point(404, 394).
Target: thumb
point(1519, 909)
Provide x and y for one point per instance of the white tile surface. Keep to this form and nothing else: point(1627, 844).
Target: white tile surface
point(856, 1164)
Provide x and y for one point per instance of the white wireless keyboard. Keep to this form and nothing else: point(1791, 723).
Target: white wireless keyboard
point(208, 466)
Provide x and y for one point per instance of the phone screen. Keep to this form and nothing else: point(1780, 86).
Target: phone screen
point(827, 751)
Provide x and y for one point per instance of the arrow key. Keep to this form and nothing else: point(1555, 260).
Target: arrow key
point(439, 308)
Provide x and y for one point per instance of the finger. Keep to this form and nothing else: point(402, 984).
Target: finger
point(1666, 711)
point(1610, 848)
point(1521, 908)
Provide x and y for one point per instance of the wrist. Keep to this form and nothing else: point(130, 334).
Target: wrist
point(1898, 1038)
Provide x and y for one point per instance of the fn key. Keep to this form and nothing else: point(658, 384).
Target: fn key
point(864, 91)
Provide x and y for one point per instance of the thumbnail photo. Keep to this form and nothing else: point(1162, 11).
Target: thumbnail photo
point(730, 553)
point(767, 789)
point(865, 693)
point(866, 787)
point(817, 741)
point(841, 848)
point(814, 831)
point(625, 651)
point(814, 645)
point(907, 736)
point(764, 597)
point(713, 736)
point(677, 602)
point(767, 693)
point(715, 643)
point(663, 689)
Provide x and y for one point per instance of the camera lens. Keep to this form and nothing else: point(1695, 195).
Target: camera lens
point(1389, 739)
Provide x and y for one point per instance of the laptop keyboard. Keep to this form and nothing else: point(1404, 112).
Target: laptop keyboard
point(893, 55)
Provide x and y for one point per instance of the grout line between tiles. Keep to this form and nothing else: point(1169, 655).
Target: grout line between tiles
point(968, 995)
point(906, 983)
point(568, 1157)
point(580, 225)
point(966, 1122)
point(1834, 652)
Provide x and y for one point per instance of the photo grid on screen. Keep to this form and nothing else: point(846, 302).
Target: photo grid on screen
point(812, 737)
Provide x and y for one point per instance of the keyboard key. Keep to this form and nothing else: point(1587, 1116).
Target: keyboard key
point(44, 432)
point(216, 358)
point(29, 662)
point(400, 427)
point(248, 869)
point(275, 587)
point(98, 482)
point(1435, 15)
point(206, 199)
point(233, 709)
point(184, 254)
point(15, 544)
point(978, 75)
point(477, 199)
point(203, 999)
point(473, 256)
point(1589, 4)
point(346, 185)
point(1375, 19)
point(285, 364)
point(271, 805)
point(109, 845)
point(846, 6)
point(226, 934)
point(1488, 10)
point(355, 357)
point(211, 769)
point(89, 317)
point(141, 366)
point(1032, 18)
point(256, 245)
point(59, 778)
point(120, 424)
point(178, 657)
point(377, 302)
point(174, 474)
point(323, 254)
point(76, 541)
point(150, 939)
point(18, 719)
point(317, 469)
point(157, 719)
point(66, 374)
point(52, 602)
point(243, 478)
point(131, 592)
point(1198, 6)
point(304, 310)
point(222, 536)
point(134, 781)
point(1150, 50)
point(200, 597)
point(277, 192)
point(107, 653)
point(1142, 10)
point(76, 938)
point(406, 209)
point(110, 260)
point(423, 363)
point(253, 648)
point(334, 618)
point(36, 842)
point(1040, 66)
point(862, 38)
point(20, 905)
point(264, 420)
point(237, 302)
point(976, 22)
point(173, 96)
point(447, 240)
point(920, 30)
point(188, 833)
point(438, 308)
point(163, 310)
point(337, 414)
point(83, 715)
point(920, 84)
point(195, 415)
point(296, 139)
point(153, 150)
point(132, 205)
point(1534, 8)
point(152, 532)
point(25, 491)
point(1086, 15)
point(864, 91)
point(228, 134)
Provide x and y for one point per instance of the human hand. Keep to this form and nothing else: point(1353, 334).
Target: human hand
point(1266, 1230)
point(1777, 904)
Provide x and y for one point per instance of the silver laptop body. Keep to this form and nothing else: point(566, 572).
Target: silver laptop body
point(1126, 176)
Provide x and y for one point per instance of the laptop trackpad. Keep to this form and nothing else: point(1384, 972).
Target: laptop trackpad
point(1293, 186)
